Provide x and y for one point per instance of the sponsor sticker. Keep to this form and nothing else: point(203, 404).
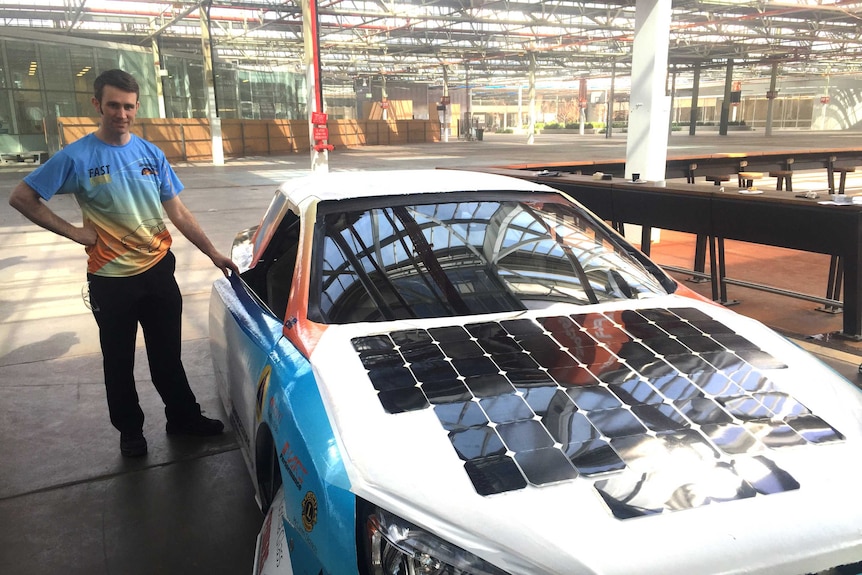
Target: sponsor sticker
point(309, 511)
point(293, 465)
point(262, 386)
point(263, 552)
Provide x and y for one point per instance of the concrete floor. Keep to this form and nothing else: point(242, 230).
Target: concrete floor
point(69, 503)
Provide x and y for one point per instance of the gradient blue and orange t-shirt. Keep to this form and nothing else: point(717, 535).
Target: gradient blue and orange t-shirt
point(120, 190)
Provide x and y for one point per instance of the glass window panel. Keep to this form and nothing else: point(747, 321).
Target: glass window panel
point(227, 92)
point(246, 106)
point(83, 84)
point(197, 89)
point(172, 83)
point(61, 104)
point(3, 67)
point(268, 95)
point(83, 61)
point(23, 65)
point(140, 65)
point(85, 105)
point(56, 68)
point(6, 126)
point(107, 60)
point(266, 98)
point(298, 96)
point(175, 88)
point(29, 111)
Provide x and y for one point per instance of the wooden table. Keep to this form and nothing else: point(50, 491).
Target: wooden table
point(775, 218)
point(680, 167)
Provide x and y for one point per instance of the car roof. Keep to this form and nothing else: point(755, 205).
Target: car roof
point(348, 185)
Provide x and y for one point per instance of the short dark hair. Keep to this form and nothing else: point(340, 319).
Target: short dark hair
point(118, 79)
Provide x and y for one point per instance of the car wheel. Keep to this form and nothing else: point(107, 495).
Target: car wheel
point(268, 471)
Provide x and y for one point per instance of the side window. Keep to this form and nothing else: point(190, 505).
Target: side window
point(272, 276)
point(279, 276)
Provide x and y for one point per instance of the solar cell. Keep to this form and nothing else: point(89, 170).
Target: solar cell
point(637, 401)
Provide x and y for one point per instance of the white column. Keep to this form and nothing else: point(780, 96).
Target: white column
point(646, 142)
point(384, 98)
point(770, 98)
point(532, 127)
point(160, 75)
point(209, 75)
point(469, 114)
point(824, 105)
point(610, 97)
point(520, 123)
point(447, 118)
point(582, 105)
point(695, 97)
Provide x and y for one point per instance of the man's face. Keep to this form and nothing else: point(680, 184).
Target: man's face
point(117, 109)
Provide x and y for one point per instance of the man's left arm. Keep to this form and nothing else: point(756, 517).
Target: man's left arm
point(186, 223)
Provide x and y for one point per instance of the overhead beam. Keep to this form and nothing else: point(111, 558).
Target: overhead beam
point(173, 20)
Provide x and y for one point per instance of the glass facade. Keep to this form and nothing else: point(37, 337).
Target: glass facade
point(268, 94)
point(240, 93)
point(44, 78)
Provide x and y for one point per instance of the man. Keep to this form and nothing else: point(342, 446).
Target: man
point(122, 183)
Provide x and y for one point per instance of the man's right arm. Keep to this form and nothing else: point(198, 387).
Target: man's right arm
point(27, 201)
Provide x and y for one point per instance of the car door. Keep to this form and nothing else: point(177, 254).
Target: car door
point(247, 318)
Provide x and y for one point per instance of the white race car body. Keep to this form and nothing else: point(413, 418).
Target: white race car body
point(661, 434)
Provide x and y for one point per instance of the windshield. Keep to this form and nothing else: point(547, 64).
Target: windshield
point(465, 257)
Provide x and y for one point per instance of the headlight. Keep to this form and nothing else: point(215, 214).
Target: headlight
point(396, 547)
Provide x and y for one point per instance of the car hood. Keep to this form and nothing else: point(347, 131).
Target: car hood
point(667, 435)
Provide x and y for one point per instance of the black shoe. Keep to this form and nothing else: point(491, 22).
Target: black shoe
point(200, 426)
point(133, 445)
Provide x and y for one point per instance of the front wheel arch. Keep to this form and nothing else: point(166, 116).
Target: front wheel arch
point(267, 468)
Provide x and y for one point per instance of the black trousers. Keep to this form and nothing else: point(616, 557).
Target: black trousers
point(153, 300)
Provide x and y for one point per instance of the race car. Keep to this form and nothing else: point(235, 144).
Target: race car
point(449, 372)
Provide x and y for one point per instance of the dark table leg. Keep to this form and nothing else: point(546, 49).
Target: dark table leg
point(646, 239)
point(833, 283)
point(722, 274)
point(852, 285)
point(699, 258)
point(713, 268)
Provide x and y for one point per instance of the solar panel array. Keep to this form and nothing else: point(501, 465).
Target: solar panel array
point(663, 409)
